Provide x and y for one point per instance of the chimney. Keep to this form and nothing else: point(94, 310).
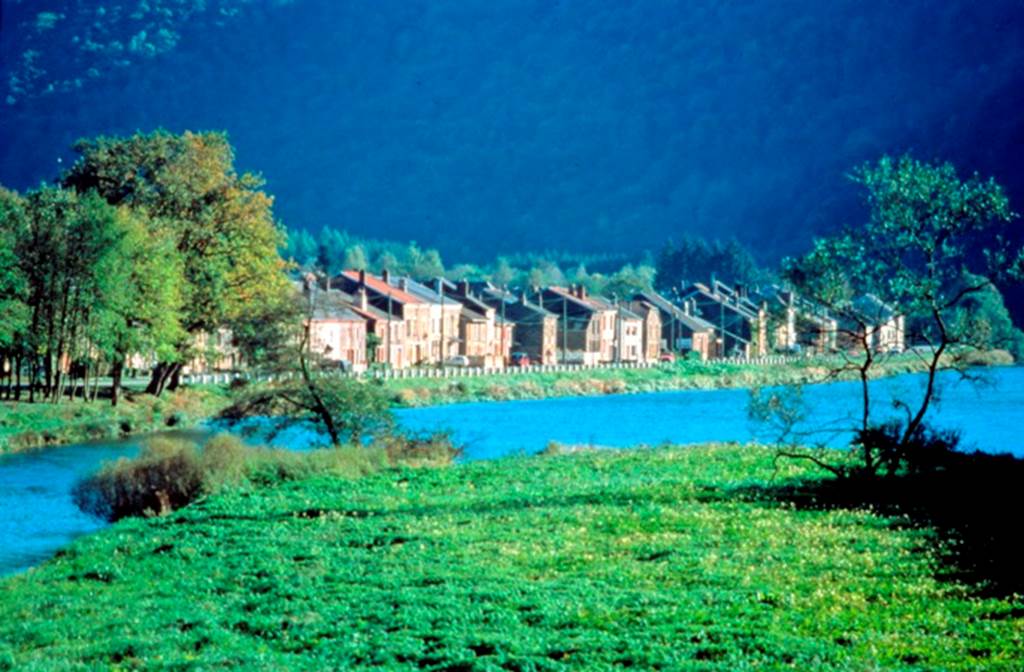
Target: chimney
point(385, 275)
point(403, 284)
point(362, 277)
point(361, 295)
point(464, 287)
point(522, 298)
point(581, 292)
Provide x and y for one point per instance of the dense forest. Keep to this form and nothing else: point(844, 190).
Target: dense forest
point(483, 129)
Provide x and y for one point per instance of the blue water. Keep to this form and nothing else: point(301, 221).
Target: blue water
point(37, 516)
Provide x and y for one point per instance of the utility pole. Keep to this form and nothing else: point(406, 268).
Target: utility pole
point(618, 329)
point(440, 287)
point(387, 335)
point(565, 330)
point(504, 298)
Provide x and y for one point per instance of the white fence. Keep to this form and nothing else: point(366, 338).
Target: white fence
point(469, 371)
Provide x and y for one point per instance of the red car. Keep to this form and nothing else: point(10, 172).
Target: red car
point(668, 357)
point(520, 359)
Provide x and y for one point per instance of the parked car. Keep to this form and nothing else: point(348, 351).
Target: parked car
point(668, 357)
point(457, 360)
point(520, 359)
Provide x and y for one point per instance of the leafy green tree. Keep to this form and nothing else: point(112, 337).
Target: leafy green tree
point(346, 409)
point(13, 289)
point(141, 304)
point(931, 249)
point(629, 280)
point(220, 222)
point(503, 274)
point(355, 257)
point(695, 259)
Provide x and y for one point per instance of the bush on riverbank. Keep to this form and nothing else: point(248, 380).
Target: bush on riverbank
point(680, 558)
point(172, 473)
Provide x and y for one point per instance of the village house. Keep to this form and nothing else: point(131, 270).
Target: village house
point(485, 339)
point(740, 324)
point(336, 331)
point(681, 329)
point(873, 321)
point(587, 325)
point(442, 335)
point(629, 337)
point(536, 329)
point(651, 329)
point(406, 336)
point(213, 351)
point(796, 324)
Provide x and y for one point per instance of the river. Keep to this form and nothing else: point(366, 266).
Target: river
point(37, 516)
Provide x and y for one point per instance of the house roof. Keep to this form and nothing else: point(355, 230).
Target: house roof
point(730, 300)
point(379, 287)
point(691, 322)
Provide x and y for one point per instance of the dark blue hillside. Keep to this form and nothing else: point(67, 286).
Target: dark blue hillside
point(480, 127)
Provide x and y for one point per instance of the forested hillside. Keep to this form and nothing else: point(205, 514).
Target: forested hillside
point(482, 128)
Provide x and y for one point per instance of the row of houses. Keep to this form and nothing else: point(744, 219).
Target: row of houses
point(357, 319)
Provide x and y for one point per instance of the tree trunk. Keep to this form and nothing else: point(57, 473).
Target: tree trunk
point(115, 385)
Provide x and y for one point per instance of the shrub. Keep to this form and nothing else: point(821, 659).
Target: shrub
point(424, 449)
point(167, 475)
point(925, 450)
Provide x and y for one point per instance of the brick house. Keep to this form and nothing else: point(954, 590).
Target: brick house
point(484, 337)
point(873, 320)
point(651, 329)
point(740, 324)
point(336, 332)
point(587, 325)
point(681, 329)
point(406, 337)
point(536, 329)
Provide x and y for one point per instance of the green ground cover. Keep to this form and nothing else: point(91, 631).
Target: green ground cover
point(669, 558)
point(25, 426)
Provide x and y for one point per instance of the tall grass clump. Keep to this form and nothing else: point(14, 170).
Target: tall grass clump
point(167, 475)
point(171, 473)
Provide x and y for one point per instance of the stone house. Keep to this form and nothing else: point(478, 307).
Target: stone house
point(651, 329)
point(406, 336)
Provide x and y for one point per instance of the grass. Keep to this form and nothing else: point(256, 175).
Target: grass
point(671, 558)
point(25, 426)
point(682, 375)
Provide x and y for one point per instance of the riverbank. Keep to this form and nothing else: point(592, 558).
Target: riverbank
point(681, 375)
point(28, 426)
point(671, 557)
point(25, 426)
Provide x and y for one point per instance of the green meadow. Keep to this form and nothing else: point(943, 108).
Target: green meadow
point(669, 558)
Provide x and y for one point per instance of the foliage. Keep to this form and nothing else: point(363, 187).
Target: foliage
point(929, 253)
point(676, 558)
point(924, 450)
point(220, 222)
point(695, 259)
point(346, 409)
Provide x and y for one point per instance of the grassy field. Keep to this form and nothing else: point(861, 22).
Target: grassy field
point(669, 558)
point(24, 426)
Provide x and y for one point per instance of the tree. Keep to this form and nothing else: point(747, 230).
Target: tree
point(355, 257)
point(695, 259)
point(13, 290)
point(346, 409)
point(141, 308)
point(220, 222)
point(932, 248)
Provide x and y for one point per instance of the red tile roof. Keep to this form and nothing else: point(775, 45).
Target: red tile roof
point(381, 287)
